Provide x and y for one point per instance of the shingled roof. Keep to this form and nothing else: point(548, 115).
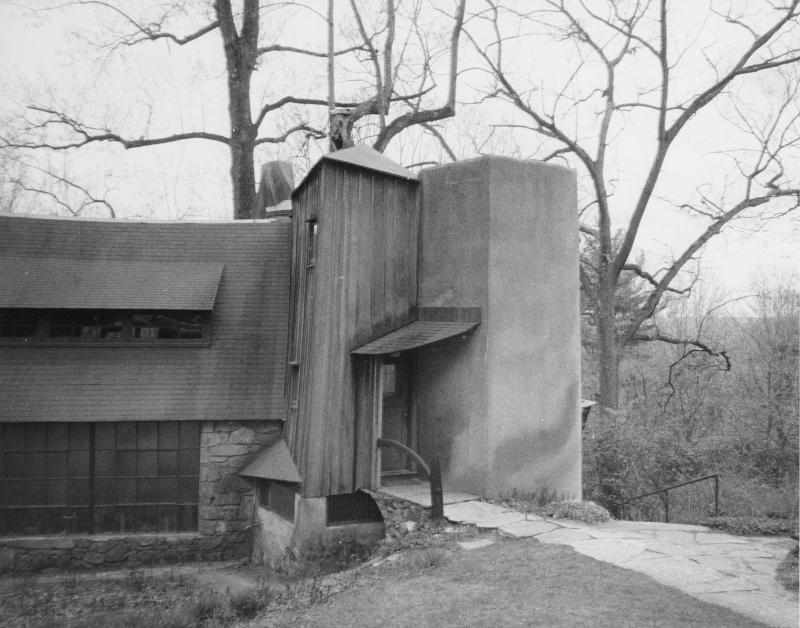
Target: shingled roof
point(240, 376)
point(50, 282)
point(364, 157)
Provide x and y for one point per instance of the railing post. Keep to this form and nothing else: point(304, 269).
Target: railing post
point(437, 498)
point(666, 506)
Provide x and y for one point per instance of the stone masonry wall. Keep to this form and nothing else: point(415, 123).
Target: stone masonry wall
point(226, 499)
point(225, 515)
point(35, 553)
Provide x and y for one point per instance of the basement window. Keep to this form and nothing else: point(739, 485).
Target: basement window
point(278, 497)
point(356, 507)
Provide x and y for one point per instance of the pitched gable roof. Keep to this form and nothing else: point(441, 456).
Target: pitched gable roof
point(364, 157)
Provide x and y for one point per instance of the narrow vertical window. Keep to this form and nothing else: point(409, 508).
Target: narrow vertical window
point(311, 243)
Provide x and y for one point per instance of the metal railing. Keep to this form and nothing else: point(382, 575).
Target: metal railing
point(615, 508)
point(434, 473)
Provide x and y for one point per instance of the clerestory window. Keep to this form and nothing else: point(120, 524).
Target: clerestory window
point(104, 327)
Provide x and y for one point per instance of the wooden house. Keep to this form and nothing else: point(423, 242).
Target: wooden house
point(220, 387)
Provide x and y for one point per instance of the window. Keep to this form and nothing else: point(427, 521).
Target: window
point(83, 324)
point(311, 242)
point(105, 327)
point(99, 477)
point(18, 323)
point(277, 497)
point(168, 325)
point(356, 507)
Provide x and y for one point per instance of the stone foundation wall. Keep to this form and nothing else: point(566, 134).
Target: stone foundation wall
point(396, 512)
point(226, 500)
point(35, 553)
point(225, 515)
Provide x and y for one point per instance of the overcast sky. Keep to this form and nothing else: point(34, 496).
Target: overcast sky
point(156, 89)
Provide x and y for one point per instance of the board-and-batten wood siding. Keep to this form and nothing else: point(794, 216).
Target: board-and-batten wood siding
point(363, 284)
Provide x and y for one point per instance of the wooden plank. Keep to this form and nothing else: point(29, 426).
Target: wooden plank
point(378, 298)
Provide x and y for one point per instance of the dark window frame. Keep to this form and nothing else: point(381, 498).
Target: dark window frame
point(93, 478)
point(45, 322)
point(279, 498)
point(351, 508)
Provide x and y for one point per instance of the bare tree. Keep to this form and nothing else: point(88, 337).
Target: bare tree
point(239, 29)
point(386, 69)
point(626, 71)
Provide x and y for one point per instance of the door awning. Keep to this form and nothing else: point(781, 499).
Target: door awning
point(274, 462)
point(60, 283)
point(432, 325)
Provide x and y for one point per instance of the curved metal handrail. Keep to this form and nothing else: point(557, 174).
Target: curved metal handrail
point(394, 444)
point(433, 472)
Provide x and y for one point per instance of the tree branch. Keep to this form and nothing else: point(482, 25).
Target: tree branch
point(302, 51)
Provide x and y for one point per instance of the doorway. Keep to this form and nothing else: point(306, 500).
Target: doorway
point(397, 416)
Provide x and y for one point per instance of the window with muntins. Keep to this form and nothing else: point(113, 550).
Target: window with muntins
point(105, 327)
point(99, 477)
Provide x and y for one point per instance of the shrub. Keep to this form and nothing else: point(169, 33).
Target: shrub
point(787, 573)
point(210, 606)
point(752, 526)
point(588, 512)
point(247, 604)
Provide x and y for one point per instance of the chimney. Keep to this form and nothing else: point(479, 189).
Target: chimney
point(275, 190)
point(341, 129)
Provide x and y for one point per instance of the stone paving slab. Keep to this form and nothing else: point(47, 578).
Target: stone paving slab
point(716, 537)
point(564, 536)
point(616, 552)
point(772, 611)
point(523, 529)
point(501, 520)
point(641, 526)
point(723, 585)
point(675, 571)
point(421, 494)
point(473, 512)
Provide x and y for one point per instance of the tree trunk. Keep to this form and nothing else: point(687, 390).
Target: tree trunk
point(608, 345)
point(240, 59)
point(243, 177)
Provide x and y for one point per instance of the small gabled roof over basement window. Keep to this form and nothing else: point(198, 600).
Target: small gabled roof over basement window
point(432, 325)
point(274, 462)
point(64, 283)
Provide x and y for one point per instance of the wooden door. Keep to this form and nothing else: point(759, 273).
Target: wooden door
point(397, 417)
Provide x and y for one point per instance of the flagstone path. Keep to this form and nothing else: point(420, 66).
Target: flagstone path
point(732, 571)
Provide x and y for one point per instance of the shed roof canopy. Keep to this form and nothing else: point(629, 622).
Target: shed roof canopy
point(432, 325)
point(65, 283)
point(274, 462)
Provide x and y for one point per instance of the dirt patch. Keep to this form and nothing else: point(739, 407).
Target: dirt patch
point(509, 583)
point(787, 572)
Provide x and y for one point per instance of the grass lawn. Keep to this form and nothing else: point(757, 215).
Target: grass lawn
point(510, 583)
